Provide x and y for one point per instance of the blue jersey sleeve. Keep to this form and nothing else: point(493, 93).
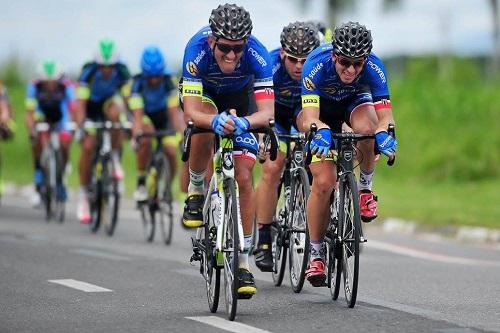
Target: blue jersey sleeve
point(260, 63)
point(375, 76)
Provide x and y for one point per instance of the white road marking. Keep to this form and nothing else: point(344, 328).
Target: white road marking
point(406, 251)
point(80, 285)
point(227, 325)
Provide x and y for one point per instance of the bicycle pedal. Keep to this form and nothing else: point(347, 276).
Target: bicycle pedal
point(245, 296)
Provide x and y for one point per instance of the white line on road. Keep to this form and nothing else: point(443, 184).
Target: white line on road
point(227, 325)
point(80, 285)
point(405, 251)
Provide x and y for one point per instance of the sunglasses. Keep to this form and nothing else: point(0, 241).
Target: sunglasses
point(344, 62)
point(226, 48)
point(295, 60)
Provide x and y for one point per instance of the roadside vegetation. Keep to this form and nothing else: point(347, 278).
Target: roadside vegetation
point(448, 129)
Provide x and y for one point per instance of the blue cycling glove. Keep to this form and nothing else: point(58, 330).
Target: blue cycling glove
point(219, 121)
point(322, 142)
point(386, 144)
point(242, 125)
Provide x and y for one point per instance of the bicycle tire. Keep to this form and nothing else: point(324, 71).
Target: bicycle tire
point(278, 236)
point(112, 200)
point(165, 206)
point(349, 225)
point(96, 205)
point(148, 221)
point(211, 272)
point(60, 203)
point(334, 248)
point(299, 235)
point(231, 248)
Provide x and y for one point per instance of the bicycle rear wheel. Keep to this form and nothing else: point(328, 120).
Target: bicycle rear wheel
point(95, 200)
point(349, 230)
point(231, 248)
point(299, 236)
point(60, 204)
point(278, 234)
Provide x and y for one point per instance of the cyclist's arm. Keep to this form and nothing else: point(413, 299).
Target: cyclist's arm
point(30, 105)
point(265, 109)
point(193, 111)
point(175, 114)
point(383, 110)
point(82, 95)
point(310, 113)
point(136, 105)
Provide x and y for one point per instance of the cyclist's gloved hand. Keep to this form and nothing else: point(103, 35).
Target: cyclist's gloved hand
point(219, 123)
point(322, 142)
point(386, 144)
point(242, 125)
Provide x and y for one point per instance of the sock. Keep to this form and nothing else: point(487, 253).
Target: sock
point(365, 180)
point(264, 233)
point(317, 250)
point(141, 178)
point(243, 257)
point(196, 181)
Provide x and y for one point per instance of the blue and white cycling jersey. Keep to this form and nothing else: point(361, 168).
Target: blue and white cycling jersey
point(319, 79)
point(51, 106)
point(286, 90)
point(201, 72)
point(96, 88)
point(153, 99)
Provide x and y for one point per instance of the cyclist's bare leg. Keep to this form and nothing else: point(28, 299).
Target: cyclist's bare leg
point(170, 152)
point(87, 151)
point(267, 189)
point(364, 120)
point(144, 150)
point(243, 174)
point(112, 113)
point(324, 178)
point(65, 144)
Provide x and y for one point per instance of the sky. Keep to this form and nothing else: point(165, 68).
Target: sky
point(68, 30)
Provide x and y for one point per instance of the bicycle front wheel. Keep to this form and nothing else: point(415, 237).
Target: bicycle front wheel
point(231, 248)
point(299, 236)
point(165, 211)
point(147, 211)
point(278, 234)
point(111, 200)
point(210, 269)
point(349, 230)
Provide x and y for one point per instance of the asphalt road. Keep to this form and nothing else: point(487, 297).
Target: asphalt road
point(62, 278)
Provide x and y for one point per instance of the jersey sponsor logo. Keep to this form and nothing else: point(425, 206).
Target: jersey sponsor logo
point(285, 92)
point(330, 90)
point(310, 100)
point(191, 92)
point(308, 84)
point(315, 70)
point(246, 140)
point(258, 57)
point(191, 68)
point(199, 57)
point(378, 70)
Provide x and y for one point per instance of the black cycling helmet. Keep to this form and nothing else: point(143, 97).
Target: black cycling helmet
point(299, 38)
point(231, 22)
point(352, 40)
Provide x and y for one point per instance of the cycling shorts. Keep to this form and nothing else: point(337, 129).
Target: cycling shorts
point(95, 109)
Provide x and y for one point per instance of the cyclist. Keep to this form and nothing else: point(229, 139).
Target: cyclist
point(225, 67)
point(155, 105)
point(99, 98)
point(343, 82)
point(298, 39)
point(7, 125)
point(49, 98)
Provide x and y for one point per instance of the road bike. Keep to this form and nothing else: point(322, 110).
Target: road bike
point(289, 226)
point(104, 189)
point(218, 242)
point(344, 233)
point(158, 206)
point(52, 163)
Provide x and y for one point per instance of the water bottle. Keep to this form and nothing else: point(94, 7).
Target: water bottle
point(151, 182)
point(215, 206)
